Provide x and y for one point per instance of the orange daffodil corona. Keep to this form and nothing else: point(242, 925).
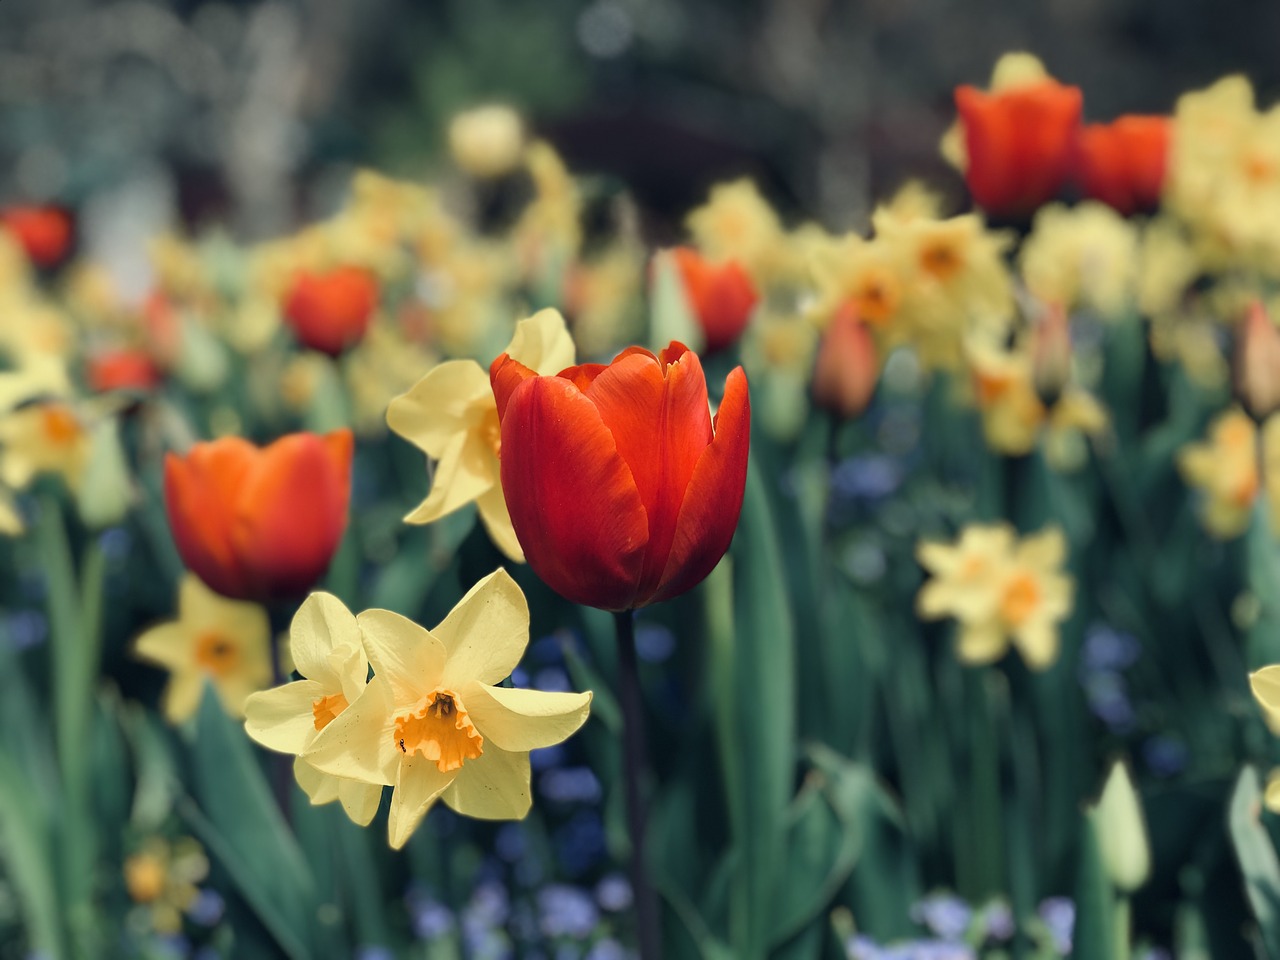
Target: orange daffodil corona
point(1002, 590)
point(431, 723)
point(451, 415)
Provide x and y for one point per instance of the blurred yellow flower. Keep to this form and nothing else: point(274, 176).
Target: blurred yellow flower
point(225, 642)
point(450, 414)
point(737, 223)
point(1082, 256)
point(163, 878)
point(486, 141)
point(431, 721)
point(1225, 469)
point(1002, 590)
point(48, 436)
point(328, 651)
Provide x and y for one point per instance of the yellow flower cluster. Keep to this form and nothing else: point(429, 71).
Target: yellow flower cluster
point(1002, 590)
point(1230, 468)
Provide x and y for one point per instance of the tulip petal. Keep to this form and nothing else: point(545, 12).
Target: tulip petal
point(322, 626)
point(494, 786)
point(505, 375)
point(657, 411)
point(282, 718)
point(408, 658)
point(199, 491)
point(572, 498)
point(524, 720)
point(440, 405)
point(492, 506)
point(485, 633)
point(292, 511)
point(419, 784)
point(360, 743)
point(709, 514)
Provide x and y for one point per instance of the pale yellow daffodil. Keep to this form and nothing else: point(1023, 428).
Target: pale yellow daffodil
point(451, 415)
point(328, 651)
point(225, 642)
point(1225, 469)
point(431, 721)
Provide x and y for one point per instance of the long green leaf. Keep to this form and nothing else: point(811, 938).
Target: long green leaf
point(1257, 858)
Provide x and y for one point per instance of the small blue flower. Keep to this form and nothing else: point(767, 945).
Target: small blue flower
point(566, 911)
point(431, 919)
point(1106, 648)
point(946, 915)
point(374, 952)
point(607, 949)
point(1059, 915)
point(570, 785)
point(545, 758)
point(511, 843)
point(654, 642)
point(1165, 756)
point(613, 893)
point(552, 679)
point(207, 908)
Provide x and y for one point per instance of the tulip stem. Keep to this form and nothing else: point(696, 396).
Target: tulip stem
point(634, 763)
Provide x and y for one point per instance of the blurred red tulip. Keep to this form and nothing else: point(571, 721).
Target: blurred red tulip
point(721, 294)
point(331, 311)
point(121, 370)
point(260, 523)
point(1019, 144)
point(847, 369)
point(1123, 163)
point(622, 489)
point(44, 232)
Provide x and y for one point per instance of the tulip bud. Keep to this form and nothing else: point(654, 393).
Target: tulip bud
point(1051, 356)
point(487, 142)
point(1257, 363)
point(1122, 831)
point(121, 370)
point(331, 311)
point(260, 523)
point(721, 294)
point(44, 232)
point(1123, 163)
point(104, 495)
point(847, 368)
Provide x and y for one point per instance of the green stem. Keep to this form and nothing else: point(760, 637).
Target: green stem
point(634, 763)
point(1122, 927)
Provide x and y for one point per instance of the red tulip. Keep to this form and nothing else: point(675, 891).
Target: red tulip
point(331, 311)
point(260, 523)
point(121, 370)
point(721, 294)
point(1123, 163)
point(845, 375)
point(622, 489)
point(1019, 144)
point(44, 232)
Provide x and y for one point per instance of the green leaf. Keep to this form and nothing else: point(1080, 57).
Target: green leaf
point(1257, 858)
point(671, 317)
point(27, 854)
point(239, 822)
point(1095, 899)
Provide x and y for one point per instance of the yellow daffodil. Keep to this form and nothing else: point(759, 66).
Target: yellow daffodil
point(1225, 469)
point(51, 436)
point(328, 651)
point(163, 878)
point(11, 522)
point(431, 721)
point(225, 642)
point(450, 414)
point(549, 232)
point(1265, 684)
point(1082, 256)
point(737, 223)
point(1001, 590)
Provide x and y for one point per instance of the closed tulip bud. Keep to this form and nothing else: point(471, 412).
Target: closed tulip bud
point(847, 369)
point(260, 523)
point(721, 294)
point(1051, 356)
point(1257, 364)
point(622, 489)
point(44, 232)
point(1019, 144)
point(330, 312)
point(1123, 163)
point(1122, 831)
point(121, 370)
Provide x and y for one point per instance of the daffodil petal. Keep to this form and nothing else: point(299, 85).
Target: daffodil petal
point(419, 783)
point(320, 788)
point(166, 645)
point(467, 469)
point(322, 625)
point(197, 604)
point(492, 505)
point(440, 405)
point(486, 632)
point(359, 744)
point(1265, 684)
point(283, 718)
point(494, 786)
point(1271, 796)
point(403, 654)
point(359, 800)
point(542, 343)
point(182, 696)
point(983, 642)
point(524, 720)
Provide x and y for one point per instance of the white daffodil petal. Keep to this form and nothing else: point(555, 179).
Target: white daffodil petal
point(486, 633)
point(524, 720)
point(282, 718)
point(494, 786)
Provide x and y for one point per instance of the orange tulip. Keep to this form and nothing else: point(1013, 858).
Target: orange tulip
point(44, 232)
point(1019, 143)
point(260, 523)
point(721, 294)
point(622, 489)
point(847, 369)
point(1123, 163)
point(331, 311)
point(121, 370)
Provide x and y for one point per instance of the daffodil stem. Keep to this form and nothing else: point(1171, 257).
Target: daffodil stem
point(634, 762)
